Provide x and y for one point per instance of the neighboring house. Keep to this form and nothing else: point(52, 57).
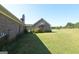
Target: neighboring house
point(40, 25)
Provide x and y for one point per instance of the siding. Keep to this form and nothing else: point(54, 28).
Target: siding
point(44, 23)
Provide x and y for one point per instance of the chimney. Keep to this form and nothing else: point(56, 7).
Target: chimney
point(23, 18)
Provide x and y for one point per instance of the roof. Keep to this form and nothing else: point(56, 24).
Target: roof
point(40, 21)
point(5, 12)
point(29, 24)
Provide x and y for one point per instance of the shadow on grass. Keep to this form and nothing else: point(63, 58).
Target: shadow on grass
point(28, 43)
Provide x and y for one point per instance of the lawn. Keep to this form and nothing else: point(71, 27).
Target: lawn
point(28, 43)
point(61, 41)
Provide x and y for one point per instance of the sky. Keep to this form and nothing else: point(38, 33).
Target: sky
point(54, 14)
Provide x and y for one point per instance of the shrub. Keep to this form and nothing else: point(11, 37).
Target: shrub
point(37, 30)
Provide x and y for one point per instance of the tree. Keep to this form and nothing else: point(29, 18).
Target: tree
point(77, 25)
point(69, 25)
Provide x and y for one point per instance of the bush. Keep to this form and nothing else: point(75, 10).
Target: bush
point(37, 30)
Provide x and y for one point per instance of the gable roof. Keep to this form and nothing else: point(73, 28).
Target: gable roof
point(41, 21)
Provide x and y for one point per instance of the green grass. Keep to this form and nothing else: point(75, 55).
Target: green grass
point(61, 41)
point(27, 43)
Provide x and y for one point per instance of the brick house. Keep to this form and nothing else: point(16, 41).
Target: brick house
point(9, 23)
point(40, 25)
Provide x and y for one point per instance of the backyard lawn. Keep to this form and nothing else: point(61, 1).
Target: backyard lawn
point(62, 41)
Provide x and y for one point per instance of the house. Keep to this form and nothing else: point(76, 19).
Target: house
point(42, 26)
point(29, 27)
point(10, 24)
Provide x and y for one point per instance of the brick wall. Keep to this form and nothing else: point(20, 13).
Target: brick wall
point(7, 25)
